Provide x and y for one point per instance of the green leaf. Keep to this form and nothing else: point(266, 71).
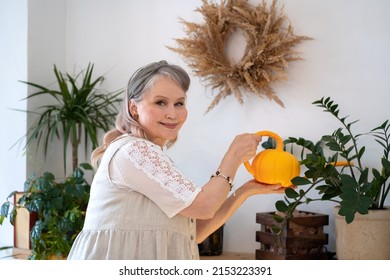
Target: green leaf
point(376, 173)
point(12, 216)
point(36, 204)
point(281, 206)
point(308, 200)
point(291, 193)
point(300, 181)
point(78, 173)
point(86, 166)
point(36, 230)
point(5, 209)
point(349, 217)
point(278, 218)
point(302, 193)
point(364, 204)
point(385, 163)
point(275, 229)
point(11, 194)
point(361, 152)
point(363, 176)
point(348, 182)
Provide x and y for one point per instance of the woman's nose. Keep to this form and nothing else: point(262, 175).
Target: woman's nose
point(171, 113)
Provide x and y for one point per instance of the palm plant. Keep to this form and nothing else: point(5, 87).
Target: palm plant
point(80, 110)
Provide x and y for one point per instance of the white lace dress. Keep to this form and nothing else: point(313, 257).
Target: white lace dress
point(136, 195)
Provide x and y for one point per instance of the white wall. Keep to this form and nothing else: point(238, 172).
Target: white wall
point(13, 67)
point(347, 60)
point(46, 47)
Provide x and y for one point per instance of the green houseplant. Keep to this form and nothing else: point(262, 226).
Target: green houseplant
point(60, 208)
point(335, 171)
point(79, 111)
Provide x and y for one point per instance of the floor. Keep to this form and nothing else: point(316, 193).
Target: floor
point(23, 254)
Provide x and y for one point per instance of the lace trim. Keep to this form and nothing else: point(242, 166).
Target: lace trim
point(159, 167)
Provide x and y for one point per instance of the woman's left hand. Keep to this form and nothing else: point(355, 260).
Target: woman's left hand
point(255, 187)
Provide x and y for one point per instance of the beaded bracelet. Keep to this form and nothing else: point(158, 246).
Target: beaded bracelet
point(227, 178)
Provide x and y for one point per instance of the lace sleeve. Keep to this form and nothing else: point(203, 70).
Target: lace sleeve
point(149, 158)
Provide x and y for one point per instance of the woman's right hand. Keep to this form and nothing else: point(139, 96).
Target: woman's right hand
point(244, 146)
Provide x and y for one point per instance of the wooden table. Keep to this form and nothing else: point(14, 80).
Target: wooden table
point(230, 256)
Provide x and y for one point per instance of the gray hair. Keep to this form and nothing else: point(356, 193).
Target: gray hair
point(141, 81)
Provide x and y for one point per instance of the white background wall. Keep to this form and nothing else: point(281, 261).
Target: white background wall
point(348, 59)
point(13, 67)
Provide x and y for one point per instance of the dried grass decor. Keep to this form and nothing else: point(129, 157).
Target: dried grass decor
point(269, 42)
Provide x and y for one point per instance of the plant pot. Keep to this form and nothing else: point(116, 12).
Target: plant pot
point(304, 237)
point(213, 244)
point(366, 238)
point(24, 222)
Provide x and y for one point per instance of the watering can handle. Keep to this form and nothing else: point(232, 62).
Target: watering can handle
point(279, 146)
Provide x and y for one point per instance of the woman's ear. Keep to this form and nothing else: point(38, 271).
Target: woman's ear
point(133, 108)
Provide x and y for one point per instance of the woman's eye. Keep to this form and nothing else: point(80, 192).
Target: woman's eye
point(160, 103)
point(179, 104)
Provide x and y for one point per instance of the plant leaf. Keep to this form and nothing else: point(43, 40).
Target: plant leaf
point(300, 181)
point(291, 193)
point(281, 206)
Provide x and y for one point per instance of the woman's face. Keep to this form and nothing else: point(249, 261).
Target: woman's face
point(162, 111)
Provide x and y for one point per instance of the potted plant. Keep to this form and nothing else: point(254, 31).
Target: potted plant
point(80, 111)
point(60, 208)
point(335, 172)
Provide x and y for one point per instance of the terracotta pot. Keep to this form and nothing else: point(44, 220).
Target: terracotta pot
point(366, 238)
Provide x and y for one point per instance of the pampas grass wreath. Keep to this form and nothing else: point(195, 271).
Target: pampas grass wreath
point(269, 42)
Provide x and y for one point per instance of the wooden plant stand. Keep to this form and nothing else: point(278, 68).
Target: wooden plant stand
point(304, 237)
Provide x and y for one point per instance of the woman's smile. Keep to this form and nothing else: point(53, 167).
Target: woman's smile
point(169, 125)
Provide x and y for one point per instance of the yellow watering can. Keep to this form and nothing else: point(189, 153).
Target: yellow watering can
point(274, 166)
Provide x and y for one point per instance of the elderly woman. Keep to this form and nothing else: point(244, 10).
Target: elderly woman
point(141, 206)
